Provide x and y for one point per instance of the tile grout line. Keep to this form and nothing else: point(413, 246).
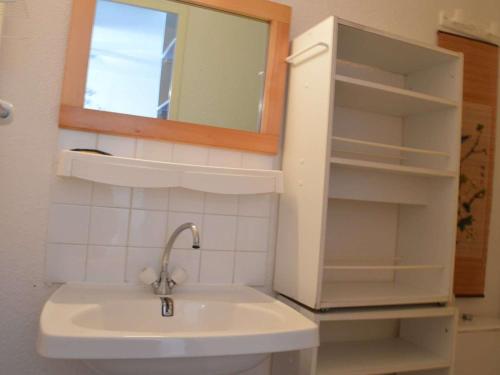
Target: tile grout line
point(203, 228)
point(91, 209)
point(129, 228)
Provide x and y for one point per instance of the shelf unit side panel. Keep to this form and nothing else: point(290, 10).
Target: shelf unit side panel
point(436, 335)
point(434, 240)
point(442, 80)
point(306, 167)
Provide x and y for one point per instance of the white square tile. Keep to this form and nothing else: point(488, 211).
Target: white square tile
point(250, 269)
point(68, 224)
point(154, 150)
point(70, 139)
point(140, 258)
point(187, 259)
point(185, 239)
point(253, 234)
point(216, 267)
point(111, 196)
point(189, 154)
point(150, 199)
point(117, 146)
point(185, 200)
point(219, 232)
point(255, 205)
point(148, 228)
point(106, 264)
point(221, 204)
point(71, 191)
point(65, 263)
point(258, 161)
point(109, 226)
point(224, 158)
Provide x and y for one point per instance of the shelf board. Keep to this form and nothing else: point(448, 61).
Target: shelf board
point(357, 294)
point(140, 173)
point(393, 168)
point(389, 147)
point(375, 97)
point(388, 267)
point(376, 357)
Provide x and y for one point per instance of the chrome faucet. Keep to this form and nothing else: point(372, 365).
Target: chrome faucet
point(164, 285)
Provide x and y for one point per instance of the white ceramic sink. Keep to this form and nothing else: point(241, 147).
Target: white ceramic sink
point(214, 330)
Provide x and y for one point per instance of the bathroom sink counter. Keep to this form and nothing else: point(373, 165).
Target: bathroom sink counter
point(93, 321)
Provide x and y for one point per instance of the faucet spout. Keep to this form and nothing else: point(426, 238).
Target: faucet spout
point(165, 284)
point(168, 248)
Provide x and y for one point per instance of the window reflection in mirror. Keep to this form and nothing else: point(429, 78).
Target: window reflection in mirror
point(166, 59)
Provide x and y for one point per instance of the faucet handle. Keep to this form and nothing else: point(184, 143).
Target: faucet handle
point(179, 275)
point(148, 276)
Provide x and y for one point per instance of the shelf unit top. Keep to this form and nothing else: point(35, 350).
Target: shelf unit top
point(140, 173)
point(369, 46)
point(392, 168)
point(376, 357)
point(375, 97)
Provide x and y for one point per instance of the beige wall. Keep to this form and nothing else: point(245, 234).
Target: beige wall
point(30, 76)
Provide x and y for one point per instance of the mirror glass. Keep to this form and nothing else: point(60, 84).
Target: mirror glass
point(171, 60)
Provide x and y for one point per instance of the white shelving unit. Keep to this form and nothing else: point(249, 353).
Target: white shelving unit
point(371, 161)
point(140, 173)
point(368, 218)
point(371, 341)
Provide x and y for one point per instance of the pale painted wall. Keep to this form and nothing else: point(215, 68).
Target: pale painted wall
point(30, 76)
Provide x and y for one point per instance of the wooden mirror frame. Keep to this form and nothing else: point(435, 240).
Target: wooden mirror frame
point(73, 115)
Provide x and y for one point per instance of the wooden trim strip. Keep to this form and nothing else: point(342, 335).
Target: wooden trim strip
point(275, 88)
point(77, 53)
point(77, 118)
point(260, 9)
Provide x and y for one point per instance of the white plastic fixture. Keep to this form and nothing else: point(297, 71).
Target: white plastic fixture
point(215, 330)
point(456, 22)
point(140, 173)
point(6, 111)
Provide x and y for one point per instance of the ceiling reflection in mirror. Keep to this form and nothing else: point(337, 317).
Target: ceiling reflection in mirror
point(170, 60)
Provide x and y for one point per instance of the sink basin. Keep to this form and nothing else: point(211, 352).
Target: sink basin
point(215, 330)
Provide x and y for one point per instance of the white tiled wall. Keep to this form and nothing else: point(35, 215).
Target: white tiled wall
point(104, 233)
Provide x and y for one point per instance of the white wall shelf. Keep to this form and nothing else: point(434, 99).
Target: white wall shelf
point(375, 97)
point(368, 341)
point(140, 173)
point(381, 181)
point(368, 217)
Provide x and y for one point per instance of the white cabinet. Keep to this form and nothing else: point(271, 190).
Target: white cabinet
point(371, 161)
point(367, 341)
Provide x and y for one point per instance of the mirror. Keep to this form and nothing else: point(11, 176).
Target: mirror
point(174, 61)
point(208, 72)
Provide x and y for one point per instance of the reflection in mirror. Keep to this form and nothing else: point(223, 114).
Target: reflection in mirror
point(170, 60)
